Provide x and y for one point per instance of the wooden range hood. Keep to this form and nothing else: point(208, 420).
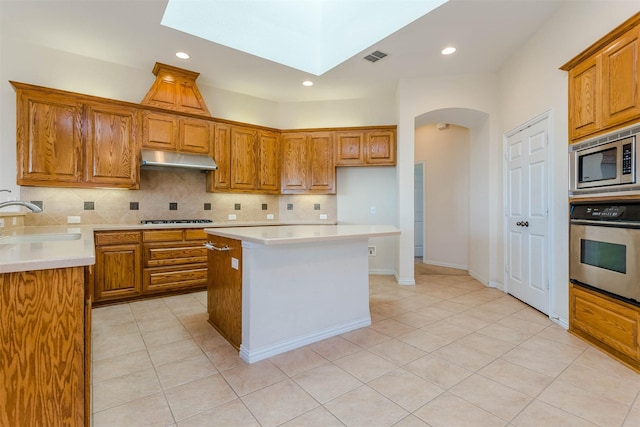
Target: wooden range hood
point(175, 89)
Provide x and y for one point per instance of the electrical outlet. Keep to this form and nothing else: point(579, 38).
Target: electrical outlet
point(73, 220)
point(324, 216)
point(372, 251)
point(232, 217)
point(1, 222)
point(270, 216)
point(373, 210)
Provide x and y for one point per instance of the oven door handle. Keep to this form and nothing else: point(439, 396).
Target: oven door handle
point(600, 223)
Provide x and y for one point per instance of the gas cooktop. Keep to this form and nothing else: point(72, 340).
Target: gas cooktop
point(176, 221)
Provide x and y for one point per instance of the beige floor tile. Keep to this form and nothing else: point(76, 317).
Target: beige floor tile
point(198, 396)
point(232, 414)
point(423, 340)
point(108, 329)
point(439, 371)
point(154, 324)
point(416, 320)
point(174, 351)
point(505, 305)
point(596, 359)
point(501, 332)
point(539, 414)
point(210, 340)
point(397, 352)
point(406, 389)
point(316, 417)
point(633, 418)
point(392, 328)
point(111, 315)
point(559, 334)
point(197, 324)
point(225, 357)
point(366, 407)
point(279, 403)
point(104, 346)
point(164, 336)
point(450, 305)
point(148, 411)
point(464, 356)
point(486, 344)
point(531, 315)
point(411, 421)
point(247, 378)
point(584, 404)
point(327, 382)
point(448, 410)
point(335, 348)
point(365, 337)
point(446, 330)
point(521, 325)
point(120, 365)
point(185, 370)
point(495, 398)
point(297, 361)
point(118, 391)
point(517, 377)
point(365, 365)
point(623, 390)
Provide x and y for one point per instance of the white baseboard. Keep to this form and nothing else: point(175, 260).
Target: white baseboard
point(444, 264)
point(272, 350)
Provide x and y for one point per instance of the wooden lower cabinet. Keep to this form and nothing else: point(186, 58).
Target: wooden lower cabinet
point(44, 352)
point(224, 289)
point(137, 264)
point(118, 271)
point(606, 322)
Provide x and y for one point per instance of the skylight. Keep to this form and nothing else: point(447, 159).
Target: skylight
point(309, 35)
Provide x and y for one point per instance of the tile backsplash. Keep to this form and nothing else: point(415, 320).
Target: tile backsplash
point(171, 194)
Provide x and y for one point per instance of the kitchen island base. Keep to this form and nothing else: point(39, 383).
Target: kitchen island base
point(298, 294)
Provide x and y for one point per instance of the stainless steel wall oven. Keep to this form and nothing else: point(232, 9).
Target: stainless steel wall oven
point(604, 251)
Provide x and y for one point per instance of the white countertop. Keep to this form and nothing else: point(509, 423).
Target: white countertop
point(45, 247)
point(291, 234)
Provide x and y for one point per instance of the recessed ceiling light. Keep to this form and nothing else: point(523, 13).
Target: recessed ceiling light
point(448, 50)
point(183, 55)
point(307, 83)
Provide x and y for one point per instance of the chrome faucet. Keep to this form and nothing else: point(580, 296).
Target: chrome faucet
point(34, 208)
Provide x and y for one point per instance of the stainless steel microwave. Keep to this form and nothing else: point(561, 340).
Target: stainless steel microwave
point(610, 165)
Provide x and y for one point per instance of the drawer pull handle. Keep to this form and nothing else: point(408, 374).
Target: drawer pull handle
point(211, 246)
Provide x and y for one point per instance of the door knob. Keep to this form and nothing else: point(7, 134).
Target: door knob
point(526, 223)
point(519, 223)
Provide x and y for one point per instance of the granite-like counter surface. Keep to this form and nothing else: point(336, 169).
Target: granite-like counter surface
point(291, 234)
point(43, 247)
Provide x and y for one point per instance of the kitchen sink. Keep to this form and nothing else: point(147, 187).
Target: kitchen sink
point(33, 238)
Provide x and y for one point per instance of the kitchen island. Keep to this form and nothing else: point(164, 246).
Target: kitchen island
point(289, 286)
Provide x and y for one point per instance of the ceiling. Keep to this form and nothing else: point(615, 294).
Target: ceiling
point(485, 32)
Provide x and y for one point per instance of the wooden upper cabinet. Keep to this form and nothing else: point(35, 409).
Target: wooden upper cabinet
point(620, 74)
point(244, 158)
point(171, 132)
point(604, 83)
point(307, 163)
point(220, 179)
point(350, 148)
point(49, 138)
point(375, 147)
point(584, 90)
point(380, 147)
point(112, 145)
point(269, 173)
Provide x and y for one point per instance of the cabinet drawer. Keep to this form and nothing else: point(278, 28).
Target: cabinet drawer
point(609, 321)
point(195, 234)
point(116, 238)
point(157, 255)
point(167, 278)
point(162, 235)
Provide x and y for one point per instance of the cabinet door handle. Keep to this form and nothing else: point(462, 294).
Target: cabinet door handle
point(213, 247)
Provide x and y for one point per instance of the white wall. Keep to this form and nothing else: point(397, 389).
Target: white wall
point(470, 101)
point(360, 189)
point(531, 84)
point(445, 154)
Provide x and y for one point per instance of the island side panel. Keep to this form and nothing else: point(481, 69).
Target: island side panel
point(297, 294)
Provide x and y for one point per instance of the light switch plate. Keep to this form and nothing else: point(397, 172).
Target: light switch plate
point(1, 222)
point(324, 216)
point(232, 217)
point(270, 216)
point(73, 220)
point(234, 263)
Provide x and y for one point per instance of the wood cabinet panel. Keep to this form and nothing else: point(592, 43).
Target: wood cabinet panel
point(307, 163)
point(162, 235)
point(269, 173)
point(49, 137)
point(620, 74)
point(224, 290)
point(220, 179)
point(169, 279)
point(118, 272)
point(159, 131)
point(195, 234)
point(112, 146)
point(369, 147)
point(607, 323)
point(584, 90)
point(196, 136)
point(244, 158)
point(116, 237)
point(172, 254)
point(42, 348)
